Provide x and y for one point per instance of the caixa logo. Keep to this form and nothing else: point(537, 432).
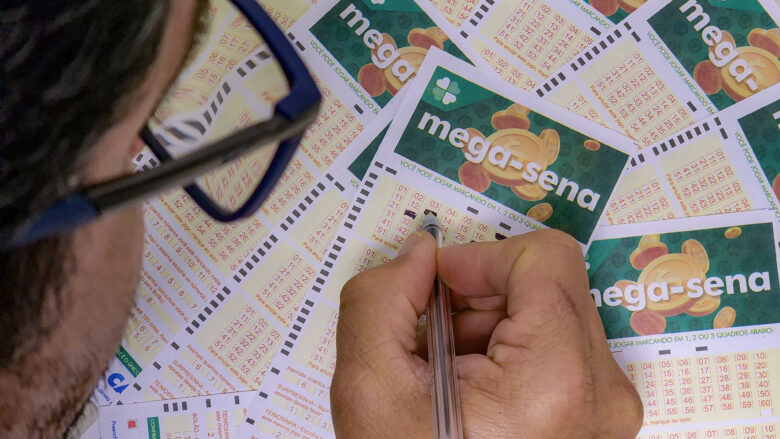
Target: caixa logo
point(115, 380)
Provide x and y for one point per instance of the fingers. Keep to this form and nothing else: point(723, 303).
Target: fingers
point(382, 304)
point(471, 330)
point(533, 271)
point(378, 380)
point(460, 302)
point(548, 355)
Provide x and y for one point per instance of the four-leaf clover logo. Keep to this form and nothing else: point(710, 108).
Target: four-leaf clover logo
point(446, 91)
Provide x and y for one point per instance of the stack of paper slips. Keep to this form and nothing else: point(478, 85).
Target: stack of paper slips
point(650, 132)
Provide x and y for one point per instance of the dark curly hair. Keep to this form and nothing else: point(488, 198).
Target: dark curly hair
point(66, 70)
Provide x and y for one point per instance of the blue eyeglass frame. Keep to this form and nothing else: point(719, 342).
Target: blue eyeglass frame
point(292, 115)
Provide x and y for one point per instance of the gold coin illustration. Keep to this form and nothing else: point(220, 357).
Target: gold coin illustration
point(776, 186)
point(675, 270)
point(606, 7)
point(642, 257)
point(766, 72)
point(694, 249)
point(524, 146)
point(372, 79)
point(414, 56)
point(765, 39)
point(386, 39)
point(704, 305)
point(592, 145)
point(646, 322)
point(552, 140)
point(473, 132)
point(474, 176)
point(725, 37)
point(733, 232)
point(623, 284)
point(540, 212)
point(724, 318)
point(630, 5)
point(529, 191)
point(437, 34)
point(519, 108)
point(505, 119)
point(649, 240)
point(707, 75)
point(423, 39)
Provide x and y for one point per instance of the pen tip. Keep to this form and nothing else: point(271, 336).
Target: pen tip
point(429, 220)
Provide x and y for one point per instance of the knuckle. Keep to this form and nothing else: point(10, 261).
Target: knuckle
point(558, 238)
point(629, 405)
point(357, 284)
point(574, 390)
point(346, 394)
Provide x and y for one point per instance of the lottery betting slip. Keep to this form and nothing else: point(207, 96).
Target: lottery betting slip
point(667, 65)
point(535, 37)
point(190, 260)
point(211, 416)
point(707, 168)
point(691, 313)
point(228, 344)
point(222, 305)
point(445, 178)
point(370, 49)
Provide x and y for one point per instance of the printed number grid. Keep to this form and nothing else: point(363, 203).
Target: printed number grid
point(177, 380)
point(316, 349)
point(297, 395)
point(143, 337)
point(637, 99)
point(225, 244)
point(542, 39)
point(708, 184)
point(455, 11)
point(294, 183)
point(232, 42)
point(401, 210)
point(764, 430)
point(280, 291)
point(369, 258)
point(167, 297)
point(706, 388)
point(571, 97)
point(323, 357)
point(281, 17)
point(505, 68)
point(178, 252)
point(245, 345)
point(644, 202)
point(318, 237)
point(335, 128)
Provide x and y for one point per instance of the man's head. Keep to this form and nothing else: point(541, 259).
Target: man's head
point(79, 79)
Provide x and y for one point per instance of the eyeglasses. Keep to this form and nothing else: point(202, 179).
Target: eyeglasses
point(221, 131)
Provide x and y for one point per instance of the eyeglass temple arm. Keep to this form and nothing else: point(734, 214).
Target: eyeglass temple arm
point(84, 206)
point(300, 107)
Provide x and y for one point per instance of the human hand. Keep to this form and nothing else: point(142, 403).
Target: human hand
point(532, 355)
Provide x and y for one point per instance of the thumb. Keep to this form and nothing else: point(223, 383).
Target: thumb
point(378, 380)
point(380, 307)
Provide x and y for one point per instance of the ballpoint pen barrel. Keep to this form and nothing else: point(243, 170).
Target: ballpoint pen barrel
point(441, 356)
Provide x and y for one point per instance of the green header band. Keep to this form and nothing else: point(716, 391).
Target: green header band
point(127, 360)
point(153, 426)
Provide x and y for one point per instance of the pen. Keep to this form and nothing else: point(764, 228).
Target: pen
point(441, 351)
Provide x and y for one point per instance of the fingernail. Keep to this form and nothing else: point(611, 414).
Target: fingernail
point(410, 242)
